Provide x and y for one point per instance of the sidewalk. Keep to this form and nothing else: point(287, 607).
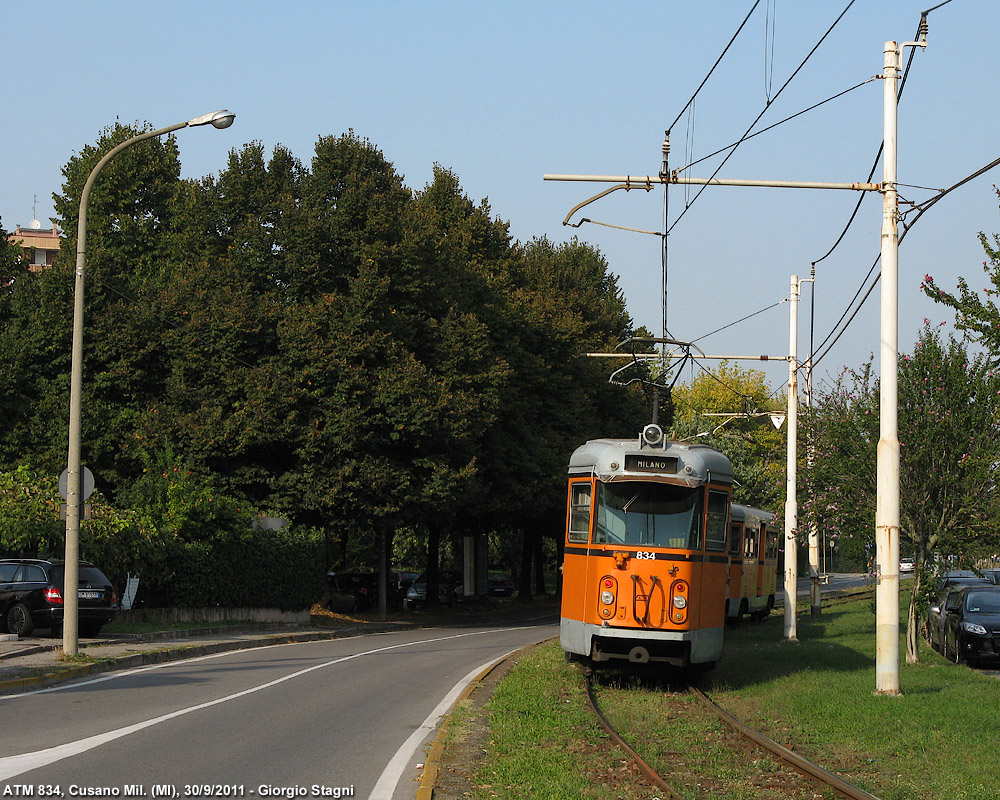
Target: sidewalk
point(38, 662)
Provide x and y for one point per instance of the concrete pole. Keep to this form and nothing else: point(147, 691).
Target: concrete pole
point(816, 604)
point(791, 503)
point(887, 472)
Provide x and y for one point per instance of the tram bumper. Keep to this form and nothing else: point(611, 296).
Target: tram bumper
point(603, 643)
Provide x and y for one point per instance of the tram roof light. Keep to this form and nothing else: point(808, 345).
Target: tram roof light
point(652, 434)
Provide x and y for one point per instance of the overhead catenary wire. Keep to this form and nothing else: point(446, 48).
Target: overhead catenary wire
point(781, 122)
point(716, 64)
point(770, 13)
point(666, 203)
point(812, 360)
point(767, 105)
point(921, 209)
point(737, 322)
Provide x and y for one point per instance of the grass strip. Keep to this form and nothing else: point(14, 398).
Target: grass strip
point(938, 741)
point(544, 743)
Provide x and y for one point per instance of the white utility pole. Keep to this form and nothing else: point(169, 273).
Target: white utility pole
point(887, 469)
point(791, 485)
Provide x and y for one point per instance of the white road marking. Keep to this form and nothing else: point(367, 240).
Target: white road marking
point(385, 786)
point(11, 766)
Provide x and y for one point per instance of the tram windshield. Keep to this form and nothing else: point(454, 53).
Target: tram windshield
point(643, 513)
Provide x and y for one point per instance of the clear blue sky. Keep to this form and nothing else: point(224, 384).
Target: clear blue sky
point(505, 92)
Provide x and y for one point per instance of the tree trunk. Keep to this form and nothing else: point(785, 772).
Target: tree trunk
point(537, 547)
point(524, 579)
point(912, 619)
point(433, 558)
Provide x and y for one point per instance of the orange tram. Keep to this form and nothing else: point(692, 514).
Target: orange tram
point(649, 569)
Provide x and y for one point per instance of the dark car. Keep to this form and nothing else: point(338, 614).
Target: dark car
point(351, 591)
point(962, 577)
point(31, 596)
point(949, 582)
point(400, 582)
point(972, 624)
point(499, 584)
point(449, 588)
point(993, 573)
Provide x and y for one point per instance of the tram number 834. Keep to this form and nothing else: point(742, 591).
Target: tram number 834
point(648, 552)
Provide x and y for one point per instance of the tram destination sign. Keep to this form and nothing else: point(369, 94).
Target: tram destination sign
point(634, 463)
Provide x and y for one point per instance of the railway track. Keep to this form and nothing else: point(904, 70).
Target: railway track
point(808, 777)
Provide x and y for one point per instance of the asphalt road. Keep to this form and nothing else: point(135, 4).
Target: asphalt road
point(297, 720)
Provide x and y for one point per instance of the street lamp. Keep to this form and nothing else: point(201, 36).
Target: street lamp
point(218, 119)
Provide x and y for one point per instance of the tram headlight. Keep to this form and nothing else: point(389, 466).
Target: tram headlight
point(680, 601)
point(607, 598)
point(652, 434)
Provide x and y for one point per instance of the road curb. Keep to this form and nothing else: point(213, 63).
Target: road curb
point(432, 765)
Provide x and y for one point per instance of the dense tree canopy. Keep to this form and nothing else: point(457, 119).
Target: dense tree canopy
point(316, 342)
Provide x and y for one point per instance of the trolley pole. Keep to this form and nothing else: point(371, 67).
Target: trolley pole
point(791, 482)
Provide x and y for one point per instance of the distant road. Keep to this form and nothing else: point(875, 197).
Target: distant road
point(267, 722)
point(841, 581)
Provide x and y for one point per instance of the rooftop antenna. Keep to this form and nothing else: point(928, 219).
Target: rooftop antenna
point(35, 224)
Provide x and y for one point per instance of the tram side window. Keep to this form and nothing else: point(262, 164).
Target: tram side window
point(750, 548)
point(772, 543)
point(579, 512)
point(734, 541)
point(718, 519)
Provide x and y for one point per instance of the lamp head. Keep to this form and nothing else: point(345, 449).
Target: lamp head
point(217, 119)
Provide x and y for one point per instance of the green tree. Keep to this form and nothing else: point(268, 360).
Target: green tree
point(949, 405)
point(128, 212)
point(743, 432)
point(29, 513)
point(978, 316)
point(11, 263)
point(560, 301)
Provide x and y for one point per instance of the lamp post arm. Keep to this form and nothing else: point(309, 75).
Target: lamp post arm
point(73, 466)
point(92, 178)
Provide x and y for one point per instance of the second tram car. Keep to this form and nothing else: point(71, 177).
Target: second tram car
point(753, 554)
point(645, 570)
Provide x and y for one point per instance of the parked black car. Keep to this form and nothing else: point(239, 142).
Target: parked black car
point(972, 624)
point(949, 582)
point(352, 591)
point(31, 596)
point(499, 584)
point(449, 589)
point(993, 573)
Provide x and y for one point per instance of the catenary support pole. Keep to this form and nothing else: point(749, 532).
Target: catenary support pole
point(887, 467)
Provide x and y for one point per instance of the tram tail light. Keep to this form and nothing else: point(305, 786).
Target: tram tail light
point(679, 595)
point(608, 597)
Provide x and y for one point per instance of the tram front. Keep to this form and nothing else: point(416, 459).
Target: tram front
point(646, 564)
